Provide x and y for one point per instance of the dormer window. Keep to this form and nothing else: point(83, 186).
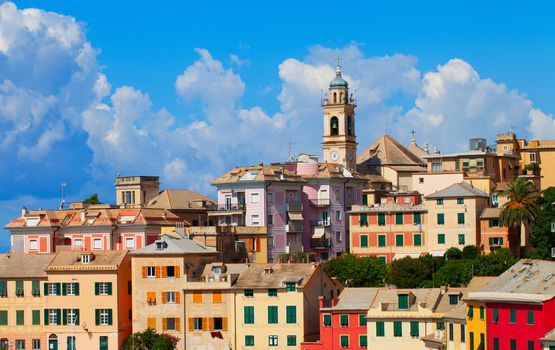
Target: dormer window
point(161, 245)
point(403, 301)
point(85, 258)
point(217, 270)
point(268, 270)
point(290, 286)
point(453, 299)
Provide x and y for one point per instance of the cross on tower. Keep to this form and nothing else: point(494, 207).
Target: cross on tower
point(412, 133)
point(338, 61)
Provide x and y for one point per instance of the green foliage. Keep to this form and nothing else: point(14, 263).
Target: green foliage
point(408, 273)
point(470, 252)
point(150, 340)
point(454, 273)
point(521, 208)
point(453, 253)
point(92, 199)
point(357, 272)
point(494, 264)
point(542, 237)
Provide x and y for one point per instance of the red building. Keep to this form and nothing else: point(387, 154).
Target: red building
point(343, 324)
point(520, 306)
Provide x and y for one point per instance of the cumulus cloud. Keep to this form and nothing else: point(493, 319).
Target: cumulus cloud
point(542, 126)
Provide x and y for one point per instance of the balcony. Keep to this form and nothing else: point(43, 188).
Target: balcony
point(320, 243)
point(319, 202)
point(295, 206)
point(321, 222)
point(294, 226)
point(226, 209)
point(294, 247)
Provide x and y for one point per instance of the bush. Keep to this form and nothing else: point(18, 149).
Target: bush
point(407, 273)
point(470, 252)
point(357, 272)
point(453, 253)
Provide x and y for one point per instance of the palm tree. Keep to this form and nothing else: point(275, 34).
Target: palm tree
point(521, 207)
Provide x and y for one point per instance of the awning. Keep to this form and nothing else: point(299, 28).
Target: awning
point(403, 255)
point(295, 215)
point(438, 252)
point(319, 232)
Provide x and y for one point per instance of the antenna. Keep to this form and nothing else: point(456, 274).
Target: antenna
point(62, 202)
point(412, 133)
point(289, 155)
point(512, 130)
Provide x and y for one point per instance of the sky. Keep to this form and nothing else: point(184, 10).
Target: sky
point(188, 90)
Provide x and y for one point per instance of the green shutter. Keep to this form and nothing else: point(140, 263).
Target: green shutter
point(344, 320)
point(417, 240)
point(249, 340)
point(460, 218)
point(364, 241)
point(495, 343)
point(417, 217)
point(36, 317)
point(440, 219)
point(530, 320)
point(96, 288)
point(3, 288)
point(58, 288)
point(363, 219)
point(482, 312)
point(500, 240)
point(344, 340)
point(530, 345)
point(45, 285)
point(64, 317)
point(364, 199)
point(19, 288)
point(248, 314)
point(291, 340)
point(381, 219)
point(97, 317)
point(272, 292)
point(35, 288)
point(291, 314)
point(460, 200)
point(363, 341)
point(461, 238)
point(512, 316)
point(414, 329)
point(76, 288)
point(76, 316)
point(397, 329)
point(381, 240)
point(362, 320)
point(58, 317)
point(439, 201)
point(272, 314)
point(490, 241)
point(398, 218)
point(109, 285)
point(110, 317)
point(327, 320)
point(399, 240)
point(380, 329)
point(46, 317)
point(20, 317)
point(64, 288)
point(470, 313)
point(403, 301)
point(441, 238)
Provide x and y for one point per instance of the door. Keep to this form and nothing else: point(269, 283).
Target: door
point(103, 343)
point(52, 344)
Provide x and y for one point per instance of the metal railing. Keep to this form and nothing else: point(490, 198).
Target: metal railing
point(294, 226)
point(227, 207)
point(320, 202)
point(321, 243)
point(320, 222)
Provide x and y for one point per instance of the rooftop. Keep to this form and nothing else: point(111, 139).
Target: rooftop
point(263, 276)
point(172, 245)
point(355, 299)
point(475, 153)
point(180, 199)
point(490, 213)
point(35, 265)
point(386, 150)
point(461, 189)
point(99, 260)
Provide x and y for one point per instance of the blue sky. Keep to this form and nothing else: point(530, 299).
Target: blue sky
point(186, 90)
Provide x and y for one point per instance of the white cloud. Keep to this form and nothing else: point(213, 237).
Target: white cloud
point(542, 126)
point(239, 62)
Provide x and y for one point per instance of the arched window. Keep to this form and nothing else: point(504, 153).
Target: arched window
point(335, 97)
point(340, 97)
point(349, 125)
point(334, 126)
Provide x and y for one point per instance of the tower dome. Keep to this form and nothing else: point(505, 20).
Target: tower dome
point(338, 82)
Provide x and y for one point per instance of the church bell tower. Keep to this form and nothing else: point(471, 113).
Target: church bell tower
point(339, 141)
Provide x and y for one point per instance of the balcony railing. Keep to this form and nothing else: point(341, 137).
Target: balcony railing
point(320, 222)
point(294, 205)
point(320, 202)
point(294, 226)
point(322, 243)
point(227, 207)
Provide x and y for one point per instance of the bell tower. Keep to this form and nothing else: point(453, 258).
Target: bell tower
point(339, 141)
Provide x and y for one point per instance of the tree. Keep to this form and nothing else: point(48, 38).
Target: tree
point(408, 273)
point(150, 340)
point(470, 252)
point(494, 264)
point(542, 237)
point(93, 199)
point(454, 273)
point(520, 209)
point(357, 272)
point(453, 253)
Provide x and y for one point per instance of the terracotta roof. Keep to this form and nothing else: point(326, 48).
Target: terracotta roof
point(386, 150)
point(461, 189)
point(173, 245)
point(527, 281)
point(263, 276)
point(388, 208)
point(179, 199)
point(417, 151)
point(257, 173)
point(490, 213)
point(355, 299)
point(387, 299)
point(24, 265)
point(100, 260)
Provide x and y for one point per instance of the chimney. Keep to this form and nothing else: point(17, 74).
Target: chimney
point(83, 214)
point(321, 301)
point(24, 211)
point(426, 147)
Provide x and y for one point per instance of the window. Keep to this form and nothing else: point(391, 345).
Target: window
point(530, 318)
point(440, 325)
point(53, 316)
point(441, 238)
point(344, 341)
point(171, 324)
point(19, 291)
point(381, 240)
point(482, 312)
point(272, 314)
point(381, 219)
point(273, 340)
point(19, 344)
point(35, 344)
point(255, 219)
point(397, 329)
point(461, 238)
point(170, 297)
point(197, 323)
point(362, 320)
point(327, 320)
point(104, 317)
point(363, 341)
point(460, 200)
point(35, 317)
point(78, 242)
point(513, 344)
point(439, 201)
point(344, 320)
point(414, 329)
point(463, 335)
point(512, 314)
point(471, 339)
point(35, 288)
point(33, 244)
point(170, 271)
point(291, 340)
point(495, 315)
point(420, 180)
point(85, 258)
point(363, 241)
point(71, 316)
point(3, 318)
point(398, 218)
point(436, 167)
point(417, 218)
point(460, 218)
point(272, 292)
point(218, 323)
point(290, 286)
point(403, 300)
point(130, 243)
point(530, 345)
point(53, 288)
point(248, 316)
point(20, 317)
point(451, 330)
point(71, 343)
point(97, 243)
point(197, 297)
point(337, 215)
point(248, 293)
point(249, 340)
point(380, 329)
point(270, 219)
point(254, 198)
point(495, 241)
point(270, 197)
point(494, 223)
point(440, 219)
point(453, 299)
point(338, 237)
point(399, 240)
point(71, 288)
point(495, 343)
point(417, 239)
point(3, 288)
point(470, 313)
point(363, 219)
point(103, 288)
point(291, 314)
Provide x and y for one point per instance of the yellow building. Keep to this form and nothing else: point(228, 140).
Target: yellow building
point(476, 324)
point(542, 154)
point(87, 301)
point(21, 300)
point(159, 274)
point(453, 217)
